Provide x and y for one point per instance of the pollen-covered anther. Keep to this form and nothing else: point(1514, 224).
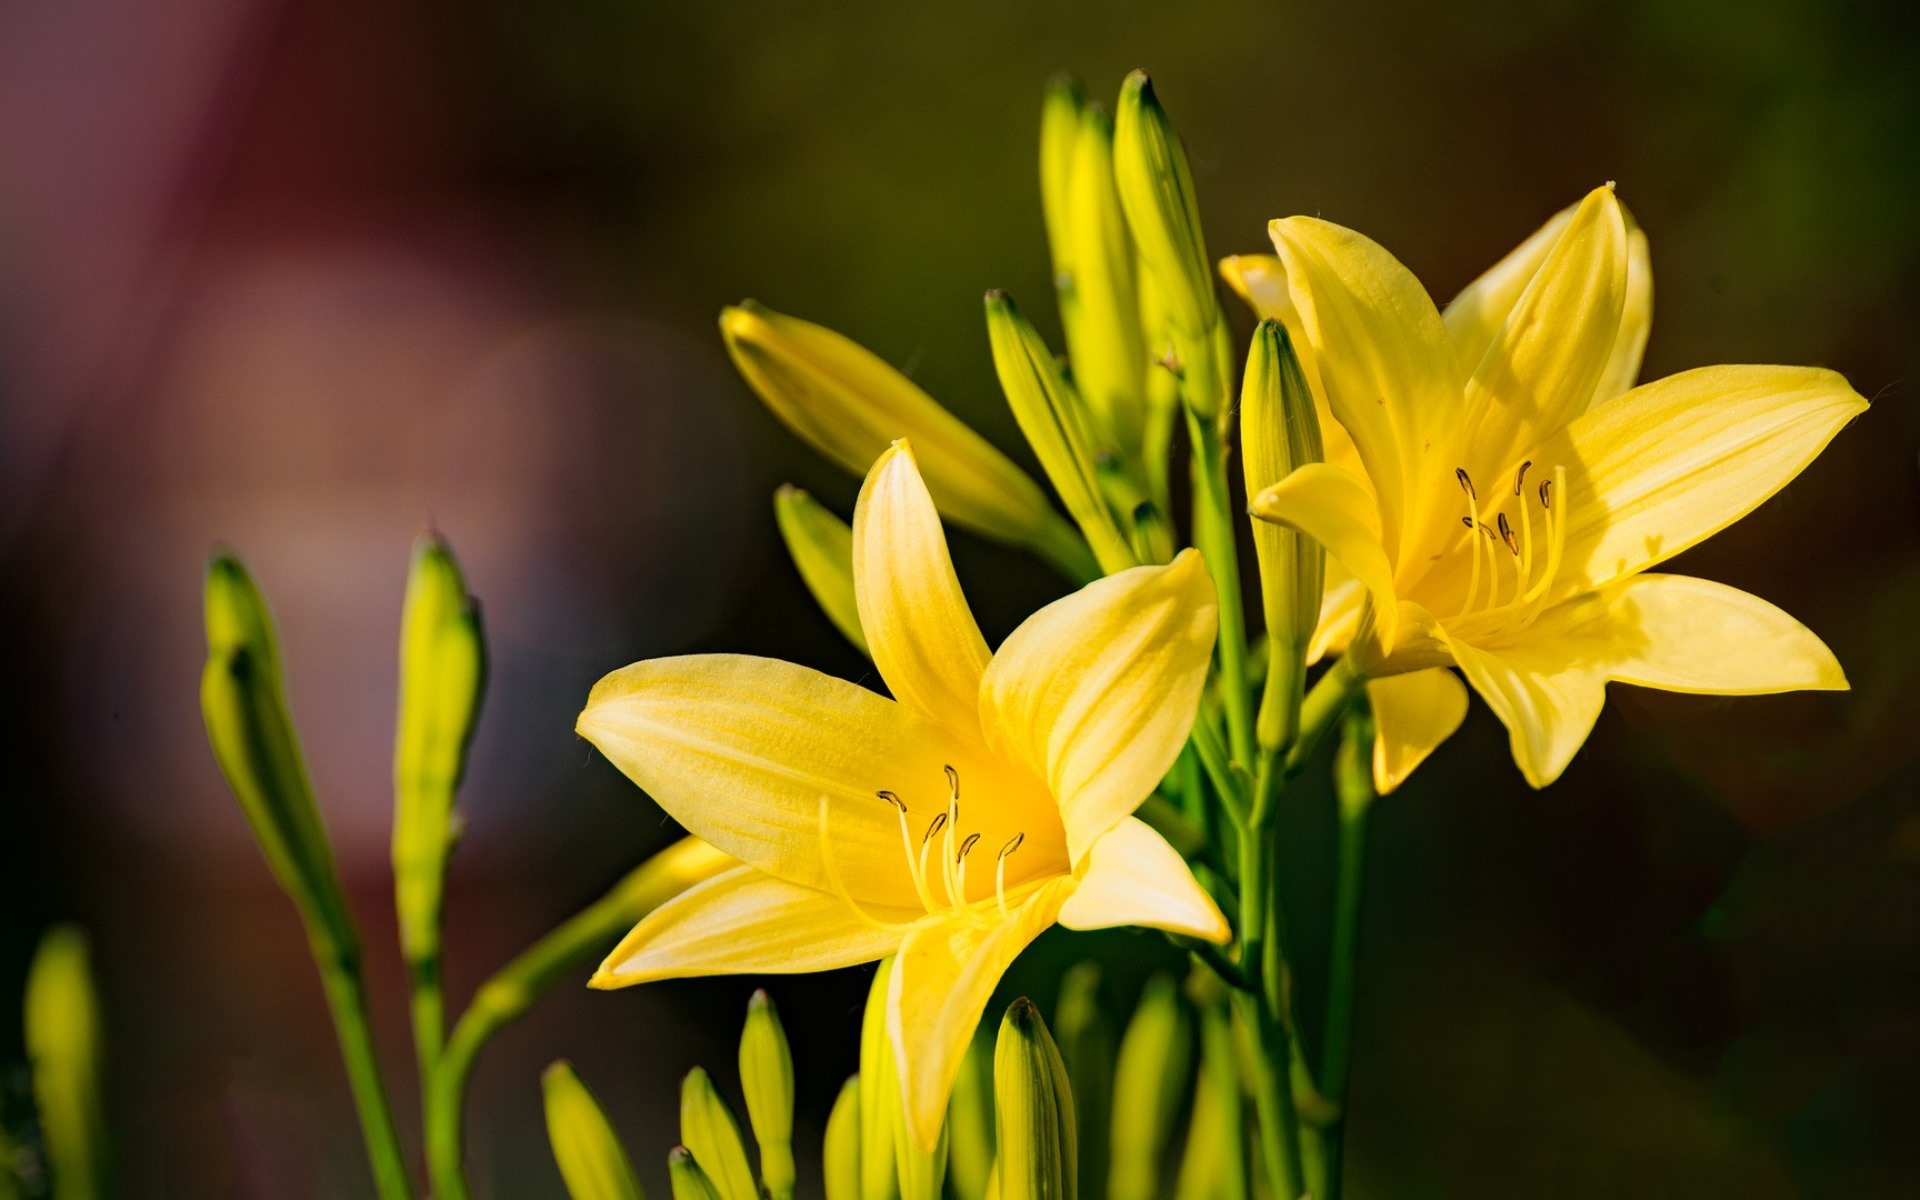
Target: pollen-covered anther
point(1000, 870)
point(1546, 493)
point(894, 799)
point(1466, 483)
point(1520, 477)
point(1507, 535)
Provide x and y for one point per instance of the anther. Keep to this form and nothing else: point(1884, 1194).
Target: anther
point(1506, 535)
point(966, 847)
point(953, 781)
point(1466, 483)
point(1012, 844)
point(1488, 530)
point(1546, 493)
point(934, 826)
point(1520, 476)
point(1467, 521)
point(894, 800)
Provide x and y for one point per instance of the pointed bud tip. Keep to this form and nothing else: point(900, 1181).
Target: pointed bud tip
point(759, 1001)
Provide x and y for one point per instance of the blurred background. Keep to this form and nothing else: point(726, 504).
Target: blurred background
point(305, 277)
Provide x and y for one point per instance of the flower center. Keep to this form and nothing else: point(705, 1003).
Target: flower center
point(1532, 572)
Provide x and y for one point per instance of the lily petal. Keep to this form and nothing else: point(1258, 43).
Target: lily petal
point(1682, 634)
point(1134, 877)
point(919, 629)
point(1636, 317)
point(1548, 691)
point(1412, 714)
point(1477, 315)
point(740, 750)
point(1096, 692)
point(1333, 508)
point(1341, 599)
point(1671, 463)
point(944, 975)
point(1389, 370)
point(1541, 370)
point(745, 921)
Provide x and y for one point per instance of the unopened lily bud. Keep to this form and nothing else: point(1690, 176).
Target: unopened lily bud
point(1059, 131)
point(970, 1121)
point(64, 1055)
point(1280, 433)
point(1149, 1083)
point(243, 701)
point(849, 404)
point(840, 1160)
point(708, 1129)
point(1156, 192)
point(766, 1076)
point(821, 545)
point(1033, 1105)
point(880, 1099)
point(592, 1162)
point(1056, 426)
point(688, 1180)
point(1086, 1047)
point(443, 667)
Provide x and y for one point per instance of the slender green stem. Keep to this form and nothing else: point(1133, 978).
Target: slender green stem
point(427, 1004)
point(336, 953)
point(1213, 531)
point(1212, 753)
point(1278, 1121)
point(1324, 706)
point(1353, 785)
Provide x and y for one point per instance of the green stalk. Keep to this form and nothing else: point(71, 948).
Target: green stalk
point(1353, 784)
point(1324, 706)
point(1213, 532)
point(338, 959)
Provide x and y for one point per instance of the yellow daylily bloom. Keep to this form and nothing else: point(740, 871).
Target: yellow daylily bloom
point(1509, 501)
point(989, 799)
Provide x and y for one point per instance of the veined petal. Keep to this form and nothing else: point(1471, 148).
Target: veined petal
point(740, 750)
point(1477, 315)
point(745, 921)
point(919, 629)
point(1671, 463)
point(1133, 877)
point(1547, 691)
point(1636, 317)
point(942, 979)
point(1096, 692)
point(1412, 714)
point(1341, 600)
point(1692, 635)
point(1541, 369)
point(1333, 508)
point(1389, 371)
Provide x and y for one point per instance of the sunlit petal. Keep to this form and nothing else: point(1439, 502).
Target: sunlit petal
point(1133, 877)
point(1096, 692)
point(1636, 318)
point(745, 921)
point(1332, 507)
point(1692, 635)
point(1412, 714)
point(919, 629)
point(1476, 316)
point(1547, 691)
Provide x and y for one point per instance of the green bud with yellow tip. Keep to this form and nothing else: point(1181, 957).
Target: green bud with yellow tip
point(1086, 1047)
point(1056, 425)
point(708, 1129)
point(766, 1076)
point(1033, 1104)
point(1059, 132)
point(1149, 1084)
point(821, 545)
point(1280, 433)
point(850, 405)
point(879, 1094)
point(64, 1055)
point(592, 1162)
point(688, 1180)
point(840, 1158)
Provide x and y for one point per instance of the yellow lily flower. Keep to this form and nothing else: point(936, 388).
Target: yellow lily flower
point(990, 798)
point(1506, 499)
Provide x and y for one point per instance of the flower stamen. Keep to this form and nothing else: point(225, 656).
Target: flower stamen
point(839, 885)
point(1000, 870)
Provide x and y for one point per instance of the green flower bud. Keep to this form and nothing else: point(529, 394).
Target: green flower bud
point(848, 404)
point(840, 1161)
point(1104, 337)
point(822, 548)
point(588, 1152)
point(766, 1075)
point(1279, 433)
point(1214, 1165)
point(243, 701)
point(1086, 1047)
point(879, 1094)
point(707, 1128)
point(1033, 1104)
point(1059, 132)
point(970, 1121)
point(688, 1180)
point(1056, 426)
point(64, 1054)
point(1149, 1082)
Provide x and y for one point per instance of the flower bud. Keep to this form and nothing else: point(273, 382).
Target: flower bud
point(1149, 1082)
point(1086, 1047)
point(1059, 132)
point(443, 667)
point(766, 1076)
point(64, 1055)
point(822, 548)
point(880, 1098)
point(243, 701)
point(588, 1152)
point(688, 1180)
point(1056, 426)
point(970, 1121)
point(707, 1128)
point(847, 403)
point(1033, 1105)
point(840, 1160)
point(1279, 433)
